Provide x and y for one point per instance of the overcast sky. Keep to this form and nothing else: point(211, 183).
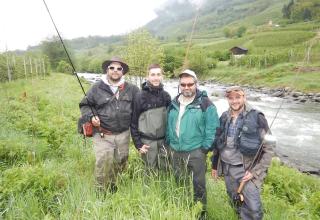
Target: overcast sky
point(26, 22)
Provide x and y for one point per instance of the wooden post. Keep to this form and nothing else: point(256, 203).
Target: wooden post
point(36, 67)
point(30, 65)
point(8, 67)
point(25, 67)
point(43, 68)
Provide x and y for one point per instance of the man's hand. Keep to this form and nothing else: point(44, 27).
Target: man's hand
point(95, 121)
point(214, 174)
point(247, 176)
point(144, 149)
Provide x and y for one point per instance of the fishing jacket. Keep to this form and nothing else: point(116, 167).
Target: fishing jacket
point(197, 125)
point(248, 139)
point(149, 116)
point(114, 113)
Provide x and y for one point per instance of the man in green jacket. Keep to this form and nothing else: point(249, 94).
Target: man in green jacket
point(191, 127)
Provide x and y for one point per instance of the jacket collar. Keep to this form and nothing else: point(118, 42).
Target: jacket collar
point(147, 86)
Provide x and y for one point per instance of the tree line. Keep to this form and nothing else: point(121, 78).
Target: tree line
point(302, 10)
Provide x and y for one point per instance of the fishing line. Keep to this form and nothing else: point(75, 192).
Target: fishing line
point(69, 58)
point(185, 63)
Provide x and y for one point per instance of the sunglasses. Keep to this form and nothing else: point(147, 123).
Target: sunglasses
point(115, 68)
point(186, 84)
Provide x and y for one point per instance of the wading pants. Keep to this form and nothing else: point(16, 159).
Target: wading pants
point(251, 208)
point(157, 156)
point(111, 153)
point(191, 164)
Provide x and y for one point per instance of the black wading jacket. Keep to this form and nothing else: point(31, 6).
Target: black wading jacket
point(115, 114)
point(149, 116)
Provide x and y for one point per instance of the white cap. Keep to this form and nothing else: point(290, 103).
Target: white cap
point(190, 73)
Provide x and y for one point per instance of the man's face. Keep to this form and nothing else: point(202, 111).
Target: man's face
point(187, 86)
point(155, 76)
point(115, 71)
point(236, 101)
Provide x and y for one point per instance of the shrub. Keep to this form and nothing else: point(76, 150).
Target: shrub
point(45, 184)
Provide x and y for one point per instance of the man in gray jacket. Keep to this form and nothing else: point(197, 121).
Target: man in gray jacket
point(243, 153)
point(111, 99)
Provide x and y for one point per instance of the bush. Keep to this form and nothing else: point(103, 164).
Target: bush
point(45, 184)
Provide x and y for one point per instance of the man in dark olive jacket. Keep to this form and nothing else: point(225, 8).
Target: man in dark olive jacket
point(111, 99)
point(149, 119)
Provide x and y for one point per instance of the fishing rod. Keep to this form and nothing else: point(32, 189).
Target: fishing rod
point(69, 58)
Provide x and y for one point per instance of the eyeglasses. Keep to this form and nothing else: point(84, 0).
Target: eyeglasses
point(117, 68)
point(186, 84)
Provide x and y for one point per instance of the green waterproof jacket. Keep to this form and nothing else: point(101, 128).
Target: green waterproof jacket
point(197, 126)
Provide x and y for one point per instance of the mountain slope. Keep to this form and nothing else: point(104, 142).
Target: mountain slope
point(177, 18)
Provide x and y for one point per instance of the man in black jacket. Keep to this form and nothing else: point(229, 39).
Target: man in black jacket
point(111, 100)
point(149, 119)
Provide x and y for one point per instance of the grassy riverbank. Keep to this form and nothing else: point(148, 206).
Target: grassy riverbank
point(297, 77)
point(47, 168)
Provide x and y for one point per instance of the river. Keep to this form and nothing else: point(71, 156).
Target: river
point(296, 127)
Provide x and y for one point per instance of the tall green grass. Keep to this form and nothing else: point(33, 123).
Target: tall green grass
point(47, 169)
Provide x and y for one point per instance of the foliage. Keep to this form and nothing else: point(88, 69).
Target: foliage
point(230, 33)
point(141, 51)
point(173, 60)
point(64, 67)
point(53, 49)
point(302, 10)
point(198, 62)
point(45, 185)
point(294, 189)
point(241, 30)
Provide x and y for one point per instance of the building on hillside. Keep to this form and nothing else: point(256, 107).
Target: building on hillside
point(238, 51)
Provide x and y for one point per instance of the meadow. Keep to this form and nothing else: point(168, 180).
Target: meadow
point(47, 168)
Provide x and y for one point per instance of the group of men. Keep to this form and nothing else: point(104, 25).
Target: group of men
point(178, 132)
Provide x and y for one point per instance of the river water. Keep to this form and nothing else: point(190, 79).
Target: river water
point(296, 127)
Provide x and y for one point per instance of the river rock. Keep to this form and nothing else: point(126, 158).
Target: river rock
point(317, 95)
point(287, 89)
point(303, 99)
point(277, 94)
point(316, 99)
point(296, 94)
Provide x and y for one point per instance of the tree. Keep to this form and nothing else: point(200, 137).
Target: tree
point(64, 67)
point(198, 62)
point(287, 9)
point(142, 50)
point(306, 14)
point(53, 49)
point(227, 32)
point(241, 30)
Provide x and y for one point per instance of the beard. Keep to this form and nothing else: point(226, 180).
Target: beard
point(114, 78)
point(238, 108)
point(188, 94)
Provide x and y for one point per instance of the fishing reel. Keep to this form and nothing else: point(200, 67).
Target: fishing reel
point(239, 198)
